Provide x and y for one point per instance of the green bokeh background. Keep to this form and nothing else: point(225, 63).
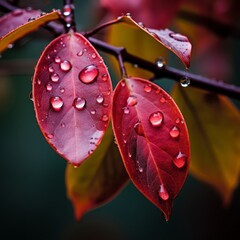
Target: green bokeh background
point(33, 202)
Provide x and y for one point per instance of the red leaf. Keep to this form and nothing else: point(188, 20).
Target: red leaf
point(15, 19)
point(176, 42)
point(72, 96)
point(153, 140)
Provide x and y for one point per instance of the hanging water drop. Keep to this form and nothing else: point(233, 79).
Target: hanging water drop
point(57, 103)
point(178, 37)
point(160, 62)
point(89, 74)
point(163, 193)
point(156, 119)
point(147, 88)
point(65, 66)
point(100, 99)
point(185, 81)
point(180, 160)
point(132, 101)
point(49, 87)
point(79, 103)
point(55, 77)
point(174, 132)
point(10, 46)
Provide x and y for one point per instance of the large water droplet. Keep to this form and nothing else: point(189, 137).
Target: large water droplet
point(180, 160)
point(178, 37)
point(185, 81)
point(100, 99)
point(57, 103)
point(65, 65)
point(139, 129)
point(163, 193)
point(49, 87)
point(174, 132)
point(132, 101)
point(161, 63)
point(156, 119)
point(79, 103)
point(147, 88)
point(55, 77)
point(89, 74)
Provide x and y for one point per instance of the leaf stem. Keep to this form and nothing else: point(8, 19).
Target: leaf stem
point(68, 15)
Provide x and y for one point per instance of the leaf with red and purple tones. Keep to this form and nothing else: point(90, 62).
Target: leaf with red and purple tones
point(20, 22)
point(72, 95)
point(153, 140)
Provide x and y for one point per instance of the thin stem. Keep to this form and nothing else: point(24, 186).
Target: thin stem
point(68, 15)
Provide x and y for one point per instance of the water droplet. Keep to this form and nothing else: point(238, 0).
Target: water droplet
point(62, 125)
point(55, 77)
point(50, 69)
point(163, 193)
point(132, 101)
point(39, 82)
point(129, 154)
point(49, 87)
point(161, 63)
point(17, 12)
point(62, 90)
point(178, 37)
point(94, 55)
point(65, 65)
point(104, 77)
point(31, 19)
point(123, 84)
point(100, 99)
point(80, 53)
point(156, 119)
point(57, 103)
point(57, 59)
point(128, 15)
point(50, 136)
point(139, 129)
point(141, 24)
point(126, 110)
point(43, 13)
point(89, 74)
point(180, 160)
point(185, 81)
point(67, 10)
point(105, 118)
point(162, 99)
point(93, 111)
point(10, 46)
point(140, 169)
point(147, 88)
point(178, 120)
point(174, 132)
point(79, 103)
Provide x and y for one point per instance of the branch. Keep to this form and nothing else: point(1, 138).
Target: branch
point(219, 28)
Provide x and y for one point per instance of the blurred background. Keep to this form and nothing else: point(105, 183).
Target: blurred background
point(33, 202)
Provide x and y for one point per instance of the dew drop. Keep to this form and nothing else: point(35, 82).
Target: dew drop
point(57, 103)
point(105, 118)
point(94, 55)
point(62, 125)
point(50, 136)
point(162, 99)
point(17, 12)
point(161, 62)
point(178, 37)
point(43, 14)
point(132, 101)
point(31, 19)
point(163, 193)
point(49, 87)
point(141, 24)
point(39, 82)
point(185, 81)
point(128, 15)
point(65, 66)
point(93, 111)
point(100, 99)
point(156, 119)
point(62, 90)
point(89, 74)
point(67, 10)
point(126, 110)
point(140, 169)
point(180, 160)
point(178, 120)
point(147, 88)
point(10, 46)
point(50, 69)
point(139, 129)
point(55, 77)
point(129, 155)
point(57, 59)
point(80, 53)
point(123, 84)
point(104, 77)
point(174, 132)
point(79, 103)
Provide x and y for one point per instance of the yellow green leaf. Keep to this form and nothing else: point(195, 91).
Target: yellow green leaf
point(214, 128)
point(98, 179)
point(26, 28)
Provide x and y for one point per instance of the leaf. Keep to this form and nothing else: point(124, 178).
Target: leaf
point(72, 96)
point(214, 127)
point(15, 25)
point(175, 42)
point(98, 179)
point(153, 140)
